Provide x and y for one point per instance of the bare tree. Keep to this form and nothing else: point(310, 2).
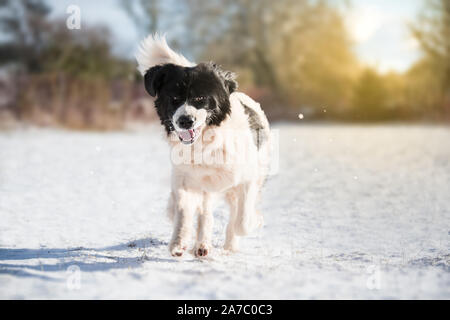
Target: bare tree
point(285, 44)
point(24, 26)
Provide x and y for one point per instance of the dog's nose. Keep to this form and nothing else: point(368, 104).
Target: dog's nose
point(185, 122)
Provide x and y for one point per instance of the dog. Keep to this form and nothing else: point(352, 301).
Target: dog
point(220, 142)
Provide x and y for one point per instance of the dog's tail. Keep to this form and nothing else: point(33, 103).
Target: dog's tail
point(154, 50)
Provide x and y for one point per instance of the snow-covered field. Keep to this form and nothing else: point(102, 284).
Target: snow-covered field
point(354, 212)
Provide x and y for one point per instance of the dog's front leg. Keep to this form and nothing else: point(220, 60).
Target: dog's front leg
point(205, 227)
point(186, 204)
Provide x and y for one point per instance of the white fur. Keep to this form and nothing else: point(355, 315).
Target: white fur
point(195, 184)
point(154, 50)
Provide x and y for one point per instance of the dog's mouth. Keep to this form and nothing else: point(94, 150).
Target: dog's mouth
point(189, 136)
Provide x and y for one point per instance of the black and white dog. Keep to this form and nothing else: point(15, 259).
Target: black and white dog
point(220, 144)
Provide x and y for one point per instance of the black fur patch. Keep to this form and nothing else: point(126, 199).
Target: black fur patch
point(259, 135)
point(175, 85)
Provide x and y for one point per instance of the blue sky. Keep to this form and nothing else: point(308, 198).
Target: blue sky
point(378, 28)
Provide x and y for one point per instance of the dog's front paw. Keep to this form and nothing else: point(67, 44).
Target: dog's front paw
point(201, 250)
point(177, 250)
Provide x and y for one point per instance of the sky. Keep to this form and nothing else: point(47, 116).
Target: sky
point(381, 34)
point(378, 28)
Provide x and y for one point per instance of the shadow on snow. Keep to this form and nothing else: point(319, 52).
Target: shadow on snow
point(75, 256)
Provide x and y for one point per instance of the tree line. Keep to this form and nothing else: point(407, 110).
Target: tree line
point(294, 56)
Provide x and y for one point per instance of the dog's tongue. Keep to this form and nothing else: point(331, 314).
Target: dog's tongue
point(186, 135)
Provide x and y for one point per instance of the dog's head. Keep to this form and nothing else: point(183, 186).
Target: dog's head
point(190, 98)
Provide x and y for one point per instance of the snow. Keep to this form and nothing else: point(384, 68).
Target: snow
point(354, 212)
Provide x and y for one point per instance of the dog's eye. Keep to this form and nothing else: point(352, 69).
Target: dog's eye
point(176, 99)
point(199, 99)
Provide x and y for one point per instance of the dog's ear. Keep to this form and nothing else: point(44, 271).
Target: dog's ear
point(153, 80)
point(230, 81)
point(228, 78)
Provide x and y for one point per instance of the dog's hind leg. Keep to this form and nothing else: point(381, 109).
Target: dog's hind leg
point(231, 240)
point(248, 219)
point(204, 227)
point(186, 205)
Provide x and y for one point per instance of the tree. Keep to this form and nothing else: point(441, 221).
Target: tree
point(37, 44)
point(297, 48)
point(82, 54)
point(370, 100)
point(24, 24)
point(59, 74)
point(433, 33)
point(144, 13)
